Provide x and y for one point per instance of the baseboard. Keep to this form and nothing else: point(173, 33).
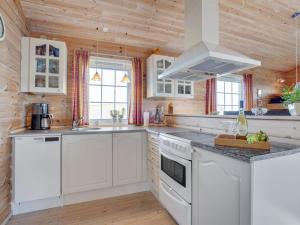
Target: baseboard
point(69, 199)
point(105, 193)
point(25, 207)
point(7, 219)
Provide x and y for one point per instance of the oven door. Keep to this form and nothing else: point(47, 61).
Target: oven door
point(176, 172)
point(176, 206)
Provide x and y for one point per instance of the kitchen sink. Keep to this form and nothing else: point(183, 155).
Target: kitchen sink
point(86, 129)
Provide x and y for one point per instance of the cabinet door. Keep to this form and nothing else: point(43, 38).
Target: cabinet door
point(47, 66)
point(87, 162)
point(184, 89)
point(38, 65)
point(220, 185)
point(164, 87)
point(128, 157)
point(36, 168)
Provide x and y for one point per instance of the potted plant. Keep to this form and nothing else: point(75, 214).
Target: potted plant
point(291, 99)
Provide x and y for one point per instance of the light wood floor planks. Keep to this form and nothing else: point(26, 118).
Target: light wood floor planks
point(134, 209)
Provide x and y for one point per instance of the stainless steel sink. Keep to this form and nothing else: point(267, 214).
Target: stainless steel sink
point(86, 129)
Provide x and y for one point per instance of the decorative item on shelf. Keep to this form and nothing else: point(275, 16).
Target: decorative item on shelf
point(2, 28)
point(97, 76)
point(121, 115)
point(114, 115)
point(291, 97)
point(117, 116)
point(159, 115)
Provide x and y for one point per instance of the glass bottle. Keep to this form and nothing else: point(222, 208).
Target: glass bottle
point(241, 122)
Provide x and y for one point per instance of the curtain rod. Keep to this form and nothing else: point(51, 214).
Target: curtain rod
point(111, 55)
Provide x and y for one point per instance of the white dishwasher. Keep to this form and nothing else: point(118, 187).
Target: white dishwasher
point(37, 166)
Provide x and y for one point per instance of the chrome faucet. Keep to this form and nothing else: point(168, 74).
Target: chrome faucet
point(76, 123)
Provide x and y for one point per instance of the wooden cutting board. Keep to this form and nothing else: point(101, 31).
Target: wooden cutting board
point(240, 142)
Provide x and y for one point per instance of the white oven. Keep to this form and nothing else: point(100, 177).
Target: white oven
point(175, 187)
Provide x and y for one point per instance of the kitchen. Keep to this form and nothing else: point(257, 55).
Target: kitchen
point(103, 122)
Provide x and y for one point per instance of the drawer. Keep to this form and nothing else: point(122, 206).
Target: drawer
point(154, 139)
point(153, 174)
point(153, 157)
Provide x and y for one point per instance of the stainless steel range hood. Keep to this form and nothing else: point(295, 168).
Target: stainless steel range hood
point(204, 58)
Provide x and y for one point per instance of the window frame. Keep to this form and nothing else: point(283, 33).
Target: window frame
point(107, 64)
point(233, 78)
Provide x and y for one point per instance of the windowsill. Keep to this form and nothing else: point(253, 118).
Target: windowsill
point(108, 123)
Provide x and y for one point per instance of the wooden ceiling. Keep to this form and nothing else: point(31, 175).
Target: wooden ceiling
point(262, 29)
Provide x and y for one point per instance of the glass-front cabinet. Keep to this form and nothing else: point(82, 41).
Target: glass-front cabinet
point(44, 66)
point(184, 88)
point(156, 65)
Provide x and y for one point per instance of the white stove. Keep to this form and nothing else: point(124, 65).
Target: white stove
point(175, 191)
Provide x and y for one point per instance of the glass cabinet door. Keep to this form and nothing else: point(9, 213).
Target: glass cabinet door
point(184, 88)
point(163, 87)
point(47, 65)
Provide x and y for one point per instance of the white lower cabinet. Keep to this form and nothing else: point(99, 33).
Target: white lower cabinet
point(97, 161)
point(128, 158)
point(86, 162)
point(221, 190)
point(228, 191)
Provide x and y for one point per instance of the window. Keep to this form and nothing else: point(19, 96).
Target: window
point(109, 93)
point(229, 93)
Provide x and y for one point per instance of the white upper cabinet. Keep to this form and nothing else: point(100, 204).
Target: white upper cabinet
point(44, 66)
point(156, 65)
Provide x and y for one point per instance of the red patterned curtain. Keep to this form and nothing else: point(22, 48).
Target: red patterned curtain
point(80, 68)
point(210, 97)
point(136, 101)
point(248, 91)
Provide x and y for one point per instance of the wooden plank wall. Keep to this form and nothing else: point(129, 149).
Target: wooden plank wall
point(290, 77)
point(10, 101)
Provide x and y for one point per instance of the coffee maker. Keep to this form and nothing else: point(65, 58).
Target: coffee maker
point(40, 118)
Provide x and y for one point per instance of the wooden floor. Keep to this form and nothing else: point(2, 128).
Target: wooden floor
point(135, 209)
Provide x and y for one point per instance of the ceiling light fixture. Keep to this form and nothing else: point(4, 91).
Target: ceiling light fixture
point(97, 76)
point(295, 16)
point(125, 78)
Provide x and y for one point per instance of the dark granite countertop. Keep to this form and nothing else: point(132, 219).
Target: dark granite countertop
point(205, 141)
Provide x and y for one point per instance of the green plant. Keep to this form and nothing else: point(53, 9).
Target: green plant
point(259, 136)
point(290, 95)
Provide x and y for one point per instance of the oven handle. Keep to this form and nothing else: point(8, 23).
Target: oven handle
point(170, 192)
point(174, 157)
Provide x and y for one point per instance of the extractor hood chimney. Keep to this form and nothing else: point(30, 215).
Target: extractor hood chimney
point(204, 58)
